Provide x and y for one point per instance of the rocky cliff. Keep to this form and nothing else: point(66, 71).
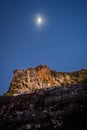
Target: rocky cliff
point(43, 99)
point(58, 108)
point(32, 79)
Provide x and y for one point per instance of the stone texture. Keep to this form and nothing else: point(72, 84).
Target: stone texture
point(57, 108)
point(32, 79)
point(42, 99)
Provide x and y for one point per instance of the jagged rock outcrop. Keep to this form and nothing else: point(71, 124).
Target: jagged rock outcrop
point(58, 108)
point(32, 79)
point(43, 99)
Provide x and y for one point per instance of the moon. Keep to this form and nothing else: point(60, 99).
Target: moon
point(39, 20)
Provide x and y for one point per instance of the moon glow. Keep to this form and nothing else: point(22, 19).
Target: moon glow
point(39, 20)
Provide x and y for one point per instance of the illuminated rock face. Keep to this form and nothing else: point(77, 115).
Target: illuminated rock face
point(43, 99)
point(32, 79)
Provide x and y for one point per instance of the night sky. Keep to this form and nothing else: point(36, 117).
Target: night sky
point(60, 41)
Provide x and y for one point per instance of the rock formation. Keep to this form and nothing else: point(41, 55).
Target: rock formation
point(58, 108)
point(43, 99)
point(32, 79)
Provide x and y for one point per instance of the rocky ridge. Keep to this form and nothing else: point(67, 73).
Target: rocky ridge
point(31, 79)
point(43, 99)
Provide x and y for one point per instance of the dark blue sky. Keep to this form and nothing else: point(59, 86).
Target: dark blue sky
point(60, 43)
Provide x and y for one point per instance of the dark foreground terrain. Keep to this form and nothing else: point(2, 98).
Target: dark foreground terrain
point(63, 108)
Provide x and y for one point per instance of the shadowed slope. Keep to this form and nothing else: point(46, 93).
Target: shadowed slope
point(61, 108)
